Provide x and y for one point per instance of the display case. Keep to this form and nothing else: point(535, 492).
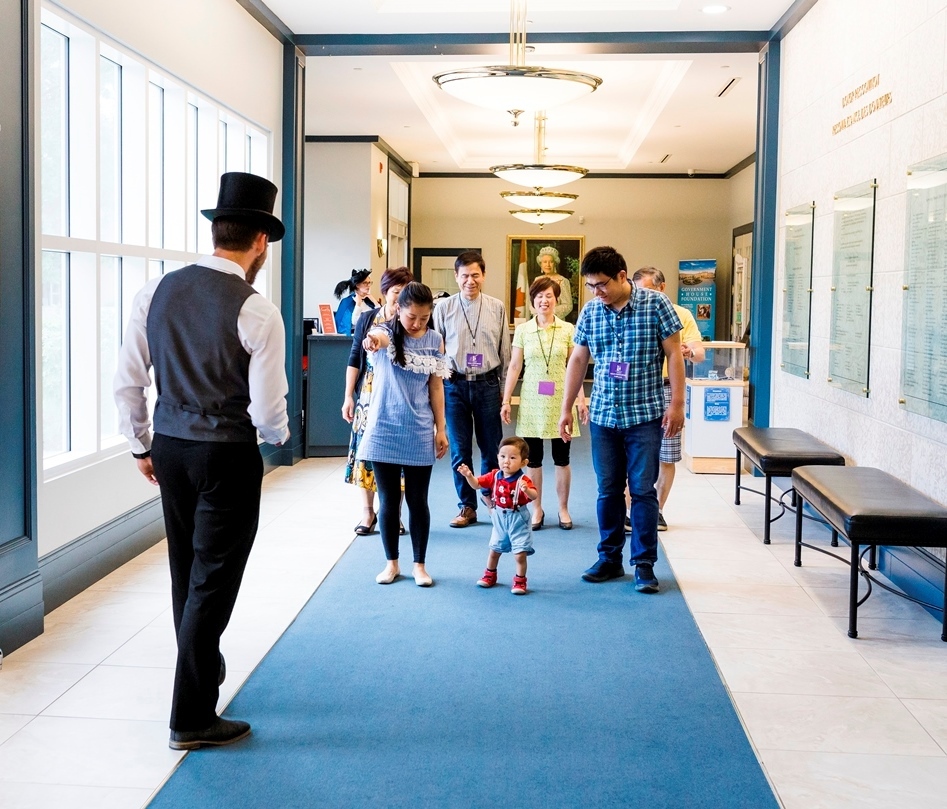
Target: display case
point(723, 360)
point(714, 405)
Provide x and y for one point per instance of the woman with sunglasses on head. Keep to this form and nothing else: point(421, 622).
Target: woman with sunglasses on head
point(357, 289)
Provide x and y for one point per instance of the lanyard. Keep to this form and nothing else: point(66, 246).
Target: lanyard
point(476, 330)
point(552, 342)
point(619, 316)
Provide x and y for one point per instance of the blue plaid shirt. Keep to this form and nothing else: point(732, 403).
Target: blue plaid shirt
point(633, 335)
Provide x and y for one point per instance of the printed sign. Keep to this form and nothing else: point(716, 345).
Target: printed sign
point(327, 319)
point(697, 292)
point(716, 404)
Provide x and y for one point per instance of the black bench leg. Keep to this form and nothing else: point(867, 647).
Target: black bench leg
point(793, 498)
point(767, 509)
point(736, 491)
point(872, 558)
point(834, 538)
point(853, 594)
point(798, 560)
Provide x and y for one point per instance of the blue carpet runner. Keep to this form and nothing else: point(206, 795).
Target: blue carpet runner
point(576, 695)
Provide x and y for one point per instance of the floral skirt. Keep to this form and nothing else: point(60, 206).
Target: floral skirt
point(360, 473)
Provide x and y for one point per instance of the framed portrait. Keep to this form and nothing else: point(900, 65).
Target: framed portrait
point(434, 266)
point(528, 257)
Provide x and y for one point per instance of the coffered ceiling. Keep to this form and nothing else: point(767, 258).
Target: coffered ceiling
point(666, 105)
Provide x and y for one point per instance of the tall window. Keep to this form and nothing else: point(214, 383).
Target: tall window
point(128, 157)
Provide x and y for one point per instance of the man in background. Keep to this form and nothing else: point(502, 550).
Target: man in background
point(476, 336)
point(692, 349)
point(218, 353)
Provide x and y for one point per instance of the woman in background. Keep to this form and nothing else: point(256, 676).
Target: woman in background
point(542, 347)
point(357, 289)
point(358, 391)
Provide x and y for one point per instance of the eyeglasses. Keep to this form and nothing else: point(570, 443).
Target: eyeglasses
point(599, 287)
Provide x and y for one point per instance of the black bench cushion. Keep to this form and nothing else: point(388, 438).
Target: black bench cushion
point(779, 450)
point(869, 505)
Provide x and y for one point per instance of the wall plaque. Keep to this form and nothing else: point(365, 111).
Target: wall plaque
point(853, 255)
point(797, 290)
point(924, 327)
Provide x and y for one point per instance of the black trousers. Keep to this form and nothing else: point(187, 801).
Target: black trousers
point(210, 494)
point(417, 480)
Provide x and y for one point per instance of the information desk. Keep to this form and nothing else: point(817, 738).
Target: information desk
point(327, 433)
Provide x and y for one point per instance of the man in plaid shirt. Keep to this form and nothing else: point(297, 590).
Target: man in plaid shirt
point(628, 332)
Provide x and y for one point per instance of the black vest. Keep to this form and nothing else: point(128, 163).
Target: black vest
point(201, 369)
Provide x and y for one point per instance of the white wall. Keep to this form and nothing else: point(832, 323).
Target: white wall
point(839, 45)
point(651, 222)
point(218, 48)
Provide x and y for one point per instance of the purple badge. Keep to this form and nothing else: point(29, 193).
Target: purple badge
point(618, 370)
point(474, 361)
point(547, 388)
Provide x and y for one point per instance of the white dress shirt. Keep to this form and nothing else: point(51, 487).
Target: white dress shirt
point(261, 333)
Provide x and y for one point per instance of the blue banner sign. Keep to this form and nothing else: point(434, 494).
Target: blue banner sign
point(697, 292)
point(716, 404)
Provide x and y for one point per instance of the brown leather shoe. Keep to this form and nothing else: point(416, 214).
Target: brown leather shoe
point(466, 517)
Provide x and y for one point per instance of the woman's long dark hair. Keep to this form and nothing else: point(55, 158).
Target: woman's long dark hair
point(347, 287)
point(416, 294)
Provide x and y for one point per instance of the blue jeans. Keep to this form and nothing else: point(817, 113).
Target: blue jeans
point(619, 455)
point(472, 407)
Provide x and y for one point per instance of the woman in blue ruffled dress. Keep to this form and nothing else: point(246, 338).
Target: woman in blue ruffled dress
point(406, 429)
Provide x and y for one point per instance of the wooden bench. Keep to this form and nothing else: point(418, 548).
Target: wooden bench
point(869, 507)
point(776, 452)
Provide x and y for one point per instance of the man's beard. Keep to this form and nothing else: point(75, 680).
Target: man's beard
point(255, 267)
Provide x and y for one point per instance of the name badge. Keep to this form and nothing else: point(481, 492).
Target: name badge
point(618, 370)
point(547, 388)
point(474, 362)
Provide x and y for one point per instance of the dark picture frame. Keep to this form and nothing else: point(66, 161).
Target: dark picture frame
point(429, 266)
point(528, 251)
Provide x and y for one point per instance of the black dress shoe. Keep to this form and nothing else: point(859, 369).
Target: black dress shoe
point(223, 731)
point(223, 672)
point(603, 571)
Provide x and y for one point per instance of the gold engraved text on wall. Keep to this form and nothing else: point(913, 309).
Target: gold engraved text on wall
point(864, 111)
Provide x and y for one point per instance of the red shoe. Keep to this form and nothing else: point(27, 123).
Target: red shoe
point(519, 586)
point(488, 579)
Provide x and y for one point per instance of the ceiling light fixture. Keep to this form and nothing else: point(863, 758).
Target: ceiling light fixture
point(715, 8)
point(539, 175)
point(541, 217)
point(532, 199)
point(516, 86)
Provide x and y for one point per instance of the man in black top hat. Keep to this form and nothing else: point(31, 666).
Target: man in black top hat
point(217, 349)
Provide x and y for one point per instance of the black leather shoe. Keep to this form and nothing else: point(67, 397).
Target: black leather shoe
point(603, 571)
point(223, 731)
point(223, 672)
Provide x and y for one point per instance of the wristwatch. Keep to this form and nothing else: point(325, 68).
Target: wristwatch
point(140, 456)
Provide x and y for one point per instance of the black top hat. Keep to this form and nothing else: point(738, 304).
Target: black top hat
point(250, 195)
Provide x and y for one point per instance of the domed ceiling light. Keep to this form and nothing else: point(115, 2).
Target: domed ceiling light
point(545, 199)
point(517, 87)
point(539, 175)
point(541, 216)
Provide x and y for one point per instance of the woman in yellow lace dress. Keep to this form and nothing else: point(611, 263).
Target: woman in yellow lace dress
point(541, 348)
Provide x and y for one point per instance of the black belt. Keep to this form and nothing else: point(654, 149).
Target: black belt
point(461, 376)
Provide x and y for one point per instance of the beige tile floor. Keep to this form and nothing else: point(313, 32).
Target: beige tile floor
point(835, 722)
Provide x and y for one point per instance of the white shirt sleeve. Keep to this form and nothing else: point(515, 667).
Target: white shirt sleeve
point(133, 377)
point(261, 332)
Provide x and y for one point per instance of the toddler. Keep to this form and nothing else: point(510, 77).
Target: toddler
point(510, 491)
